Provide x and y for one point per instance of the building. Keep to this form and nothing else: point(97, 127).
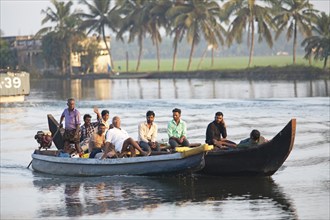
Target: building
point(30, 57)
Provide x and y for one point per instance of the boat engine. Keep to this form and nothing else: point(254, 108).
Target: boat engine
point(44, 139)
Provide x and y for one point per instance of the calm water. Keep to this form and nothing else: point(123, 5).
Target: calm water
point(299, 190)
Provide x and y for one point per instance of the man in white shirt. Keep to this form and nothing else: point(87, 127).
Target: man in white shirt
point(148, 132)
point(121, 140)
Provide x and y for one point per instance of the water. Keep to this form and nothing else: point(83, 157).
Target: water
point(299, 190)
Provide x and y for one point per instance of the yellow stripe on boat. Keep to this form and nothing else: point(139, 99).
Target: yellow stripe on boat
point(188, 151)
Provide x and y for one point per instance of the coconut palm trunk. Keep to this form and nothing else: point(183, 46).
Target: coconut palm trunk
point(212, 62)
point(158, 56)
point(108, 49)
point(202, 58)
point(252, 44)
point(140, 53)
point(294, 43)
point(191, 53)
point(174, 57)
point(70, 59)
point(325, 62)
point(176, 39)
point(63, 66)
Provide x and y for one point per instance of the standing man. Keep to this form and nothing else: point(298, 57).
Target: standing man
point(148, 132)
point(216, 133)
point(72, 127)
point(177, 130)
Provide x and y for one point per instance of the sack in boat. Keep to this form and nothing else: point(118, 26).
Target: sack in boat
point(63, 154)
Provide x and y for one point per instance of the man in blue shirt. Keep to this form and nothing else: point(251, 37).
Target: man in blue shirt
point(177, 130)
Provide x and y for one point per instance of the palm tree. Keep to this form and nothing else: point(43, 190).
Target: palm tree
point(134, 22)
point(157, 19)
point(178, 29)
point(248, 14)
point(196, 18)
point(319, 44)
point(100, 16)
point(65, 30)
point(294, 15)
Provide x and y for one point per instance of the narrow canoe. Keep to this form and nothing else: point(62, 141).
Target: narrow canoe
point(262, 160)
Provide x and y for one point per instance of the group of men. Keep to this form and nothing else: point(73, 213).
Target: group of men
point(104, 140)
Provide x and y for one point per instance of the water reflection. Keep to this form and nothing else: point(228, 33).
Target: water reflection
point(106, 89)
point(109, 195)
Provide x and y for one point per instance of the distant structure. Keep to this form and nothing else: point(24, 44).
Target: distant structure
point(30, 57)
point(29, 51)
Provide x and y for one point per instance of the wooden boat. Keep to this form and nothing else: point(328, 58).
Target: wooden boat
point(183, 161)
point(47, 161)
point(262, 160)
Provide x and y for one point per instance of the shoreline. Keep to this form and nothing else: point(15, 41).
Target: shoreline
point(254, 73)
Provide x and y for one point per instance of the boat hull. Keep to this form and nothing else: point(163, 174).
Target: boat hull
point(263, 160)
point(150, 165)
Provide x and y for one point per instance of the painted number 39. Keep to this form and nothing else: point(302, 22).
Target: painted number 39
point(10, 82)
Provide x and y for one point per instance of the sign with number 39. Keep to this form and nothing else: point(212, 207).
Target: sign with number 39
point(14, 84)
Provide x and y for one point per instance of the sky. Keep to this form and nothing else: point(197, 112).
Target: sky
point(23, 17)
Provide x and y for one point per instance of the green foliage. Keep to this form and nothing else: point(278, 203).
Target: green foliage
point(100, 16)
point(319, 44)
point(54, 49)
point(294, 16)
point(249, 15)
point(63, 36)
point(8, 57)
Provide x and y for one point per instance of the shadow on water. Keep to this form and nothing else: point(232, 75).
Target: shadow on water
point(117, 194)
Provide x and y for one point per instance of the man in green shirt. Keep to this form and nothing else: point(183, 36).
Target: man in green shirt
point(177, 130)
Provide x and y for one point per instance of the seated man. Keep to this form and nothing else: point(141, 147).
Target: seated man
point(121, 140)
point(148, 133)
point(97, 144)
point(177, 130)
point(87, 130)
point(103, 117)
point(254, 140)
point(216, 133)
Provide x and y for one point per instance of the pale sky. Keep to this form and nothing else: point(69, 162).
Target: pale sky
point(23, 17)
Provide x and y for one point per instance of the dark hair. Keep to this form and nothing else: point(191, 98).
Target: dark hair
point(218, 114)
point(255, 135)
point(177, 110)
point(104, 112)
point(101, 124)
point(87, 116)
point(149, 113)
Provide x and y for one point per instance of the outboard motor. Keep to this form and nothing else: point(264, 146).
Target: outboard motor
point(44, 139)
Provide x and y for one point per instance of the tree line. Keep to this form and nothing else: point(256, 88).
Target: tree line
point(215, 23)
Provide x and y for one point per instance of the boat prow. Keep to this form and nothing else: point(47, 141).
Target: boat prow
point(262, 160)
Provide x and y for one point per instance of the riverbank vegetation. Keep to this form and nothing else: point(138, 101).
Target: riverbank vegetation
point(220, 63)
point(243, 24)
